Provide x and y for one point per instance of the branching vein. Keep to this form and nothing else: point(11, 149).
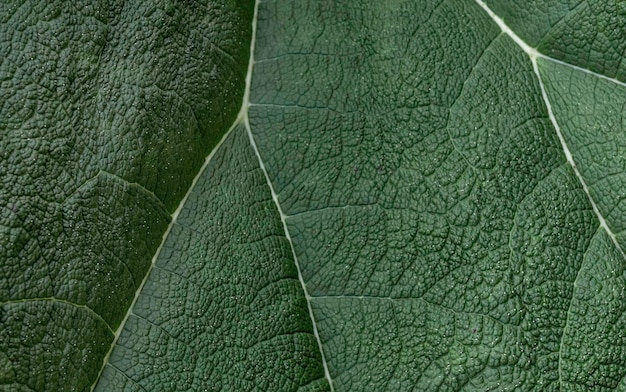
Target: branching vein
point(243, 116)
point(534, 55)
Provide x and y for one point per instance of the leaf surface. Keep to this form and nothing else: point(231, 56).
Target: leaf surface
point(415, 195)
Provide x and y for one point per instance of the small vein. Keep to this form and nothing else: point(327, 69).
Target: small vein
point(561, 18)
point(585, 70)
point(456, 99)
point(331, 208)
point(126, 376)
point(63, 302)
point(567, 318)
point(419, 299)
point(104, 173)
point(160, 327)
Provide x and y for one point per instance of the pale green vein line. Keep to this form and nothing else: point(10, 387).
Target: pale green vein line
point(416, 299)
point(570, 160)
point(584, 70)
point(283, 218)
point(244, 117)
point(208, 159)
point(331, 208)
point(533, 54)
point(59, 301)
point(601, 219)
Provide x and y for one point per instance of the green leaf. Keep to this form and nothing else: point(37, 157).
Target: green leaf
point(414, 195)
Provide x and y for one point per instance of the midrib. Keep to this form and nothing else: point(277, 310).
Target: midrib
point(534, 55)
point(119, 330)
point(242, 118)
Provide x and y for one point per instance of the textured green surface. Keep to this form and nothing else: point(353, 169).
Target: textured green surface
point(406, 188)
point(588, 34)
point(590, 112)
point(223, 309)
point(446, 242)
point(108, 110)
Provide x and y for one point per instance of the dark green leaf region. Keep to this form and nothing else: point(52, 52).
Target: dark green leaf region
point(109, 109)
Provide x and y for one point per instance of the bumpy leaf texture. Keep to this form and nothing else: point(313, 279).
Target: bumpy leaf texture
point(413, 196)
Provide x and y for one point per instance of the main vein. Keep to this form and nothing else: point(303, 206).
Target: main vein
point(534, 55)
point(208, 159)
point(244, 117)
